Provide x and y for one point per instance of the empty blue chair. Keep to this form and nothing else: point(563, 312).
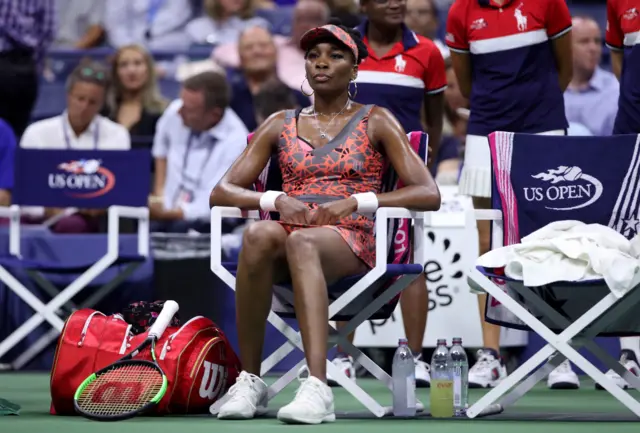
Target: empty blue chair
point(539, 180)
point(109, 180)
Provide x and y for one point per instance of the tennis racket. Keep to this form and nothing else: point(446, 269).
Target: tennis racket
point(128, 387)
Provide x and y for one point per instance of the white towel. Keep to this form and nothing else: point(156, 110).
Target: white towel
point(570, 251)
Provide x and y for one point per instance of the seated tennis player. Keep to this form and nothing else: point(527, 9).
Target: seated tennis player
point(331, 156)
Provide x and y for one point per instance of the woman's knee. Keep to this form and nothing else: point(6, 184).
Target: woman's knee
point(299, 245)
point(263, 240)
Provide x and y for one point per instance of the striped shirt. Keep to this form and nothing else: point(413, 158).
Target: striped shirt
point(515, 82)
point(27, 25)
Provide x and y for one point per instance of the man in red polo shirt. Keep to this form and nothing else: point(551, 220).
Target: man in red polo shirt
point(404, 73)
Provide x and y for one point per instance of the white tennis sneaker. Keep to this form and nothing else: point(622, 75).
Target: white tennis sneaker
point(344, 363)
point(423, 372)
point(313, 404)
point(630, 362)
point(248, 398)
point(488, 371)
point(563, 377)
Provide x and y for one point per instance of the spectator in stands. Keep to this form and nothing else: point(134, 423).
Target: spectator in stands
point(516, 85)
point(80, 23)
point(134, 100)
point(405, 74)
point(320, 239)
point(623, 25)
point(27, 29)
point(155, 24)
point(306, 15)
point(79, 127)
point(592, 96)
point(197, 139)
point(7, 152)
point(346, 11)
point(422, 18)
point(258, 59)
point(224, 21)
point(272, 97)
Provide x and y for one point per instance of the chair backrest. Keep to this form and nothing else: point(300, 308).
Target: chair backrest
point(400, 231)
point(540, 179)
point(86, 179)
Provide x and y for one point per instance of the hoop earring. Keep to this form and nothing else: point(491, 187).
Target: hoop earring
point(302, 90)
point(355, 93)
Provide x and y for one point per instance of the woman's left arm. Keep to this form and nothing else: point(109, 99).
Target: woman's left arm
point(420, 191)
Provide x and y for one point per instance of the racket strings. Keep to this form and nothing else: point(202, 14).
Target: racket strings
point(125, 388)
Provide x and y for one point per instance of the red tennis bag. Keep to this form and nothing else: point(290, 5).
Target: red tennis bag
point(197, 359)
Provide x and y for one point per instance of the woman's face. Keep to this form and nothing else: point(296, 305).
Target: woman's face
point(329, 68)
point(232, 7)
point(133, 72)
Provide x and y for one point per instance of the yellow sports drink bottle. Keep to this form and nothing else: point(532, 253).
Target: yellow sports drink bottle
point(441, 393)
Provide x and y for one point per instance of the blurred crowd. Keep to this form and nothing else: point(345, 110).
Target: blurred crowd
point(232, 62)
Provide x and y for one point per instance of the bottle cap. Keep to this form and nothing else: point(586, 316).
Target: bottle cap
point(402, 342)
point(457, 340)
point(442, 341)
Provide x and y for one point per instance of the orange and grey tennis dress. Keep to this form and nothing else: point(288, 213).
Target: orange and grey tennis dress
point(346, 165)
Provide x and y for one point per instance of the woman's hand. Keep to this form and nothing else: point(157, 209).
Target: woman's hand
point(330, 213)
point(292, 210)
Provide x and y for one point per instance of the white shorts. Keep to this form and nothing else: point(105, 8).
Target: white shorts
point(475, 179)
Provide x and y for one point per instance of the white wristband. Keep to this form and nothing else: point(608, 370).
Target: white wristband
point(268, 200)
point(367, 202)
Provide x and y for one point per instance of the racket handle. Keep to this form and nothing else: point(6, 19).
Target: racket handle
point(169, 309)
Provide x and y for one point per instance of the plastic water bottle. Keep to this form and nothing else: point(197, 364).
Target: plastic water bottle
point(460, 375)
point(404, 381)
point(441, 395)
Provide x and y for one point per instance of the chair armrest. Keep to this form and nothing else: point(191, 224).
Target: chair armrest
point(13, 214)
point(114, 213)
point(488, 214)
point(217, 213)
point(233, 212)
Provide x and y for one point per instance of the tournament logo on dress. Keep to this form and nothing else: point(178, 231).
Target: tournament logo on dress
point(83, 178)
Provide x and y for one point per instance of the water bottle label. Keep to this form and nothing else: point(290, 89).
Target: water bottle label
point(411, 391)
point(457, 386)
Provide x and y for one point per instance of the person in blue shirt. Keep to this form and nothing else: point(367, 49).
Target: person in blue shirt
point(7, 153)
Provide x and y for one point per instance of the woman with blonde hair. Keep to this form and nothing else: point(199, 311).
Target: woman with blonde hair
point(134, 100)
point(224, 21)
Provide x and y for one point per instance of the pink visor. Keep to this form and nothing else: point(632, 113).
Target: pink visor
point(328, 31)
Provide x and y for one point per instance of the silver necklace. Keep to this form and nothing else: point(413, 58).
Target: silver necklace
point(323, 134)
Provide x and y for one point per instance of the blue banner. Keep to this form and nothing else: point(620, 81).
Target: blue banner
point(88, 179)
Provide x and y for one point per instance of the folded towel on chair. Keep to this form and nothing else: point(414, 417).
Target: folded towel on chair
point(570, 251)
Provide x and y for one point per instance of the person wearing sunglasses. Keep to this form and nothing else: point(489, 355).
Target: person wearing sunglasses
point(404, 73)
point(80, 126)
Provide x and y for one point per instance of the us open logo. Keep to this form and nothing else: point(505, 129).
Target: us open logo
point(565, 188)
point(82, 178)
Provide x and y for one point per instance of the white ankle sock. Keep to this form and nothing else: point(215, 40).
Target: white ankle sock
point(631, 343)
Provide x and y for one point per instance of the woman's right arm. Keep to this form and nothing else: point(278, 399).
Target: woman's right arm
point(234, 189)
